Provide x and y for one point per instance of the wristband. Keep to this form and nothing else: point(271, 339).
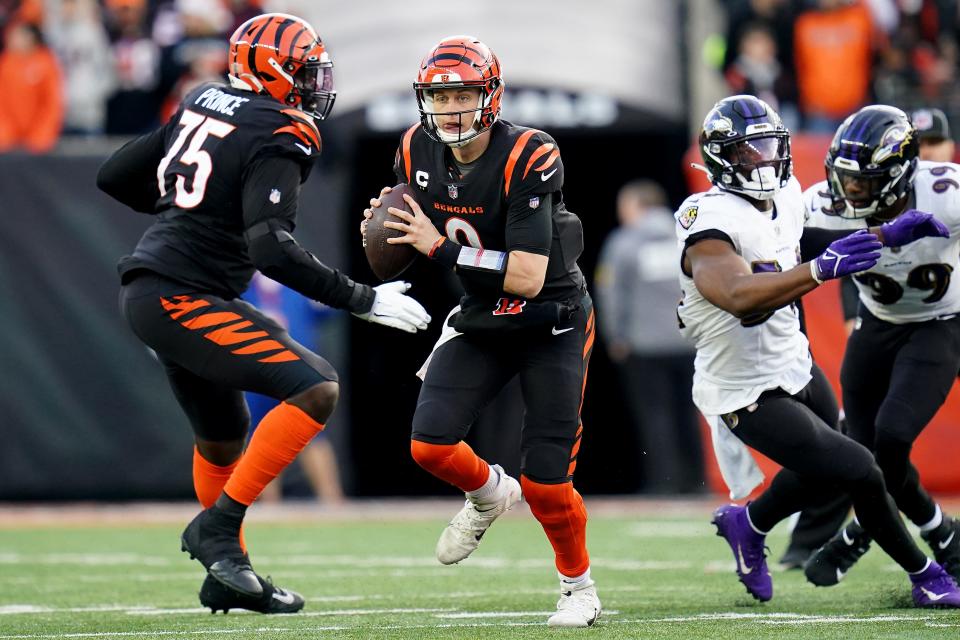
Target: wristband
point(813, 272)
point(445, 251)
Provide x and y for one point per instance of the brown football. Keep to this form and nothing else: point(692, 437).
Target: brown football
point(389, 260)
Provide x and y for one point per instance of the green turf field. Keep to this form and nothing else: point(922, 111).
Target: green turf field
point(658, 577)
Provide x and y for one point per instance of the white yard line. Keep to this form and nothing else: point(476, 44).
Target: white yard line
point(771, 618)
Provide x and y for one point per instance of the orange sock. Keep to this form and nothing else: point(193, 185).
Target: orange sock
point(280, 436)
point(209, 480)
point(559, 509)
point(453, 463)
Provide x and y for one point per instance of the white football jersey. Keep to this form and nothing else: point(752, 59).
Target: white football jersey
point(738, 359)
point(915, 282)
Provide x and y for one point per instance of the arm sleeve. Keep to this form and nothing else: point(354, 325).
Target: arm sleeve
point(271, 190)
point(815, 241)
point(130, 174)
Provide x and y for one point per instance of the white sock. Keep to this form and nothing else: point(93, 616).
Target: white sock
point(925, 567)
point(488, 490)
point(935, 521)
point(753, 526)
point(572, 584)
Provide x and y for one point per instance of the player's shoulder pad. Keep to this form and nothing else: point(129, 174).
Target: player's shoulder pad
point(285, 131)
point(533, 162)
point(302, 127)
point(713, 209)
point(821, 210)
point(938, 177)
point(403, 159)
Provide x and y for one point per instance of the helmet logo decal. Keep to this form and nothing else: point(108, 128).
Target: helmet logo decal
point(892, 144)
point(720, 124)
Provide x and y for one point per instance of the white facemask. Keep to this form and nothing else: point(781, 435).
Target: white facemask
point(763, 183)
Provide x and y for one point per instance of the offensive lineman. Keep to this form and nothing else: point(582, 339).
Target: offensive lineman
point(494, 188)
point(223, 179)
point(743, 242)
point(902, 357)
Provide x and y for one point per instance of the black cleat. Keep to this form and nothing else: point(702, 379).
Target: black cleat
point(827, 566)
point(274, 600)
point(945, 543)
point(794, 558)
point(214, 540)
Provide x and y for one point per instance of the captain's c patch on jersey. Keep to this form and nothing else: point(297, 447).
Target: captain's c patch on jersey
point(687, 216)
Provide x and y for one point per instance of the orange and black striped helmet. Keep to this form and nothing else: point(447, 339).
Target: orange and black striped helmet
point(457, 62)
point(282, 56)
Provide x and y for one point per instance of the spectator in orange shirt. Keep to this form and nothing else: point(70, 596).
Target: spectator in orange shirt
point(833, 53)
point(31, 103)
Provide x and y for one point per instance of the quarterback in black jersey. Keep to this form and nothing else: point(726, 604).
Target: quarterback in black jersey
point(489, 206)
point(223, 180)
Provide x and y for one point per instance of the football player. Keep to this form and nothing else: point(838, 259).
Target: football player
point(901, 359)
point(742, 266)
point(223, 180)
point(490, 207)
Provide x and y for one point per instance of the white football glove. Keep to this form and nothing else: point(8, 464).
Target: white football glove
point(393, 308)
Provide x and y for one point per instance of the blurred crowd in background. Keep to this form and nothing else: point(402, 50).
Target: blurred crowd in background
point(119, 67)
point(116, 67)
point(817, 61)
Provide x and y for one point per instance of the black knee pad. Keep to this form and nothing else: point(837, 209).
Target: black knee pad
point(439, 422)
point(546, 461)
point(871, 482)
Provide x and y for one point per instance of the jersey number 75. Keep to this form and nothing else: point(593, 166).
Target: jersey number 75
point(196, 128)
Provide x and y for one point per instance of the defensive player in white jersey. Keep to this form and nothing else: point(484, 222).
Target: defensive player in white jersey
point(742, 267)
point(902, 357)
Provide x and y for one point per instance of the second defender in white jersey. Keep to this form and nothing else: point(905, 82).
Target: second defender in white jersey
point(915, 282)
point(902, 358)
point(742, 247)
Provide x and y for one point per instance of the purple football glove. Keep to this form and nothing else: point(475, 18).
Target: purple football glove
point(912, 225)
point(850, 254)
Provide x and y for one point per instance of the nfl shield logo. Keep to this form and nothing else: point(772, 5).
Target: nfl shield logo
point(534, 202)
point(452, 191)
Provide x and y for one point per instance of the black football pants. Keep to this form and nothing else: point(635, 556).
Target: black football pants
point(895, 377)
point(467, 372)
point(213, 349)
point(799, 433)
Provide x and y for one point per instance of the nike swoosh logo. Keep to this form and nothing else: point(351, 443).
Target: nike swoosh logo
point(555, 332)
point(744, 569)
point(934, 596)
point(943, 545)
point(306, 150)
point(547, 176)
point(283, 596)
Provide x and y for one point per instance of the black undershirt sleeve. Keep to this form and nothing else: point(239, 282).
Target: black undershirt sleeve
point(694, 238)
point(849, 298)
point(130, 174)
point(815, 241)
point(271, 191)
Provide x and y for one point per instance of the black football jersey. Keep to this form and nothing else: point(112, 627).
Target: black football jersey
point(211, 142)
point(509, 199)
